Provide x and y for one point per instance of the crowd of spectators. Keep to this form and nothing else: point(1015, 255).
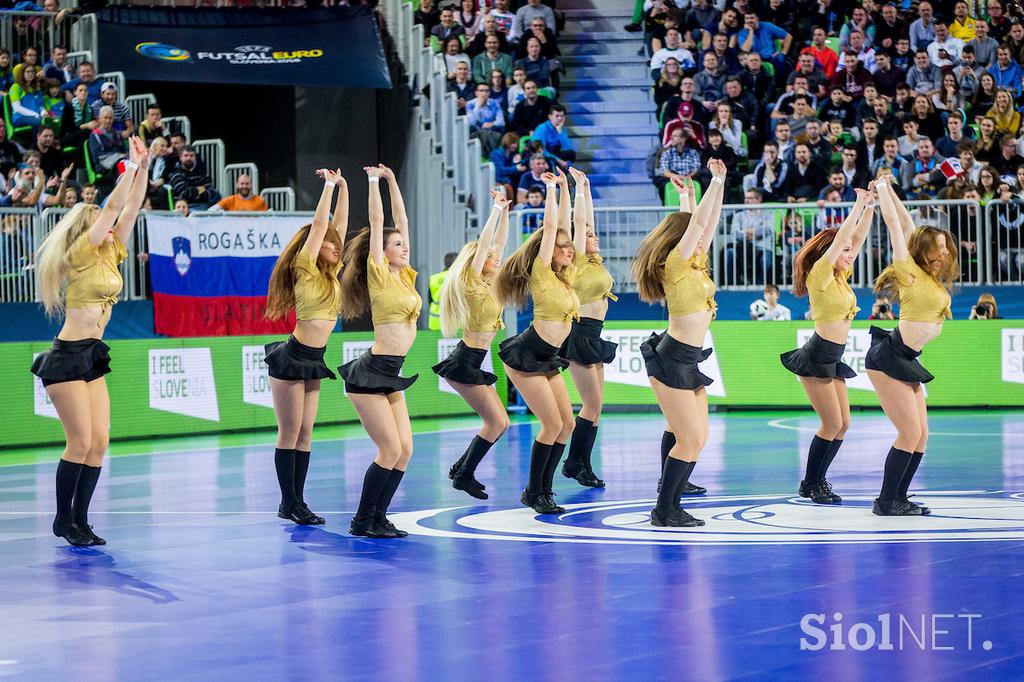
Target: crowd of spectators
point(501, 59)
point(806, 100)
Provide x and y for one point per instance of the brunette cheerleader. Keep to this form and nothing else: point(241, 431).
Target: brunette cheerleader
point(671, 266)
point(821, 271)
point(377, 277)
point(468, 303)
point(543, 269)
point(78, 276)
point(305, 278)
point(921, 276)
point(584, 348)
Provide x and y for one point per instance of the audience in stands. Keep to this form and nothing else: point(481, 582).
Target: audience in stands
point(462, 85)
point(678, 160)
point(486, 118)
point(123, 123)
point(525, 15)
point(190, 181)
point(243, 199)
point(537, 67)
point(446, 28)
point(106, 145)
point(153, 127)
point(490, 60)
point(532, 111)
point(531, 178)
point(555, 139)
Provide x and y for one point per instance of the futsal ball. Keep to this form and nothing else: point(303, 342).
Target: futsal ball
point(758, 309)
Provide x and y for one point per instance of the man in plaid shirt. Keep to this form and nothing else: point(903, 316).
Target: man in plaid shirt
point(678, 160)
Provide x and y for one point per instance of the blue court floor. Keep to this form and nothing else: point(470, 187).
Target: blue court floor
point(201, 580)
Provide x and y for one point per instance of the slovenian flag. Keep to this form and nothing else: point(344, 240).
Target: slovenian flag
point(951, 168)
point(210, 274)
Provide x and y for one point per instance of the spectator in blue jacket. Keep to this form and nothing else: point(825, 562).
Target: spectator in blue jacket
point(553, 136)
point(508, 163)
point(757, 36)
point(87, 75)
point(1006, 72)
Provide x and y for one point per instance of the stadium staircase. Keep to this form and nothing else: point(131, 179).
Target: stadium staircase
point(609, 98)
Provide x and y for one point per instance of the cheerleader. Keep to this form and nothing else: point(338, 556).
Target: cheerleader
point(377, 277)
point(543, 268)
point(77, 270)
point(585, 350)
point(671, 265)
point(921, 276)
point(468, 303)
point(821, 271)
point(305, 278)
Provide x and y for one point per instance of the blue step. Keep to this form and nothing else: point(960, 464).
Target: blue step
point(612, 95)
point(621, 47)
point(613, 119)
point(606, 73)
point(592, 155)
point(603, 179)
point(617, 167)
point(641, 83)
point(572, 15)
point(573, 61)
point(613, 131)
point(643, 106)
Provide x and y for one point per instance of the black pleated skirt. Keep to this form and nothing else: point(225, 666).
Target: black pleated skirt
point(371, 373)
point(890, 355)
point(463, 366)
point(527, 352)
point(83, 360)
point(674, 363)
point(292, 361)
point(818, 358)
point(585, 345)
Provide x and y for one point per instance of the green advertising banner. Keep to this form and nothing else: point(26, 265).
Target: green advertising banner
point(170, 387)
point(165, 387)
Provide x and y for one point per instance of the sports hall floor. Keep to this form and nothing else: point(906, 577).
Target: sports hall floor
point(201, 580)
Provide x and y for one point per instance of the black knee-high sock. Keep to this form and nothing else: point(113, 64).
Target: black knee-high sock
point(668, 441)
point(815, 456)
point(833, 448)
point(552, 465)
point(67, 480)
point(908, 475)
point(538, 461)
point(374, 480)
point(478, 448)
point(83, 493)
point(588, 452)
point(671, 480)
point(896, 463)
point(579, 452)
point(388, 492)
point(686, 478)
point(301, 469)
point(284, 462)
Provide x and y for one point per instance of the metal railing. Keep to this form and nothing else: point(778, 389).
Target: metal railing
point(233, 171)
point(137, 105)
point(1005, 261)
point(42, 31)
point(117, 78)
point(179, 124)
point(212, 153)
point(279, 199)
point(76, 58)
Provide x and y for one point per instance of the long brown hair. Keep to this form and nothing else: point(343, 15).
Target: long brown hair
point(355, 293)
point(924, 241)
point(512, 285)
point(649, 263)
point(809, 254)
point(281, 290)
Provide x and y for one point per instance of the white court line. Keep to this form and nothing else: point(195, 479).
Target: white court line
point(777, 423)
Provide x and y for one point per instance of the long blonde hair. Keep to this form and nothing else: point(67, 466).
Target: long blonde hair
point(281, 290)
point(52, 256)
point(462, 280)
point(512, 286)
point(649, 263)
point(355, 291)
point(924, 241)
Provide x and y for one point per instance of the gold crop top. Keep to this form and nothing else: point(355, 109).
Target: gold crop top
point(831, 297)
point(922, 298)
point(311, 301)
point(93, 277)
point(393, 298)
point(484, 310)
point(593, 282)
point(688, 287)
point(553, 300)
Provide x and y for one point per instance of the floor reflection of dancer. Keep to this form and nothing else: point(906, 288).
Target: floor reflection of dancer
point(468, 303)
point(377, 277)
point(305, 278)
point(924, 267)
point(543, 269)
point(821, 271)
point(78, 275)
point(585, 350)
point(671, 265)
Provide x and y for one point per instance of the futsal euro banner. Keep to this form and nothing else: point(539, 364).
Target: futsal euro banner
point(210, 274)
point(339, 46)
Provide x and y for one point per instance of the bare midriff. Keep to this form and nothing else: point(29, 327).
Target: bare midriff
point(836, 332)
point(313, 333)
point(479, 340)
point(596, 310)
point(917, 334)
point(690, 329)
point(393, 338)
point(552, 332)
point(85, 323)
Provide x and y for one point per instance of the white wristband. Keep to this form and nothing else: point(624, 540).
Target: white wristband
point(330, 184)
point(551, 185)
point(131, 165)
point(373, 178)
point(718, 180)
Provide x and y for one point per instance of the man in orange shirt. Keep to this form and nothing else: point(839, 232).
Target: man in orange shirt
point(824, 55)
point(243, 199)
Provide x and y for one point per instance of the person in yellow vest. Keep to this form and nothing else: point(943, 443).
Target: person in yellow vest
point(436, 282)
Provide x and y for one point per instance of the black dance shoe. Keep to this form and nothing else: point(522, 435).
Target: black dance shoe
point(895, 508)
point(925, 511)
point(364, 526)
point(582, 474)
point(552, 507)
point(385, 529)
point(673, 518)
point(470, 485)
point(299, 514)
point(319, 519)
point(813, 491)
point(541, 503)
point(86, 530)
point(826, 488)
point(74, 535)
point(691, 489)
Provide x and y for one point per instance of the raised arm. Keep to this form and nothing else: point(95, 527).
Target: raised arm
point(397, 205)
point(550, 226)
point(849, 227)
point(487, 241)
point(376, 211)
point(563, 194)
point(866, 220)
point(115, 202)
point(136, 194)
point(321, 218)
point(340, 222)
point(704, 221)
point(579, 211)
point(690, 197)
point(890, 214)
